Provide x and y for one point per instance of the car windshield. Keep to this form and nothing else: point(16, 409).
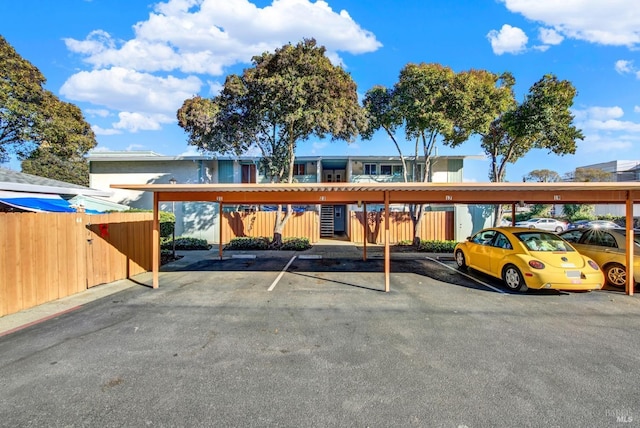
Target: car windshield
point(541, 241)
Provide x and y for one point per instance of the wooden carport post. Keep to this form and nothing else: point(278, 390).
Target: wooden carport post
point(220, 231)
point(366, 230)
point(387, 237)
point(155, 245)
point(630, 243)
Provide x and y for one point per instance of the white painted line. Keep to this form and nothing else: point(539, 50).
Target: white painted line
point(468, 276)
point(243, 256)
point(310, 256)
point(281, 274)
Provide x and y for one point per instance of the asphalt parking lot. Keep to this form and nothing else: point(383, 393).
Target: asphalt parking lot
point(246, 342)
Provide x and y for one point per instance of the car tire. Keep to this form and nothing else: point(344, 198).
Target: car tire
point(461, 261)
point(616, 275)
point(513, 278)
point(559, 229)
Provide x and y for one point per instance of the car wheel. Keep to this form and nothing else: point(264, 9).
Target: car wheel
point(513, 278)
point(460, 260)
point(559, 229)
point(616, 275)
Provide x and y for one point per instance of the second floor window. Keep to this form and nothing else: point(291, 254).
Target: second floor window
point(371, 169)
point(298, 169)
point(385, 169)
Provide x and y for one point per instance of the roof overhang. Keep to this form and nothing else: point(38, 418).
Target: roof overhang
point(440, 193)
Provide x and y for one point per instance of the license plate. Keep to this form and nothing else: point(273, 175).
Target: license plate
point(573, 274)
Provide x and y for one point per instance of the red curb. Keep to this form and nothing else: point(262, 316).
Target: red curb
point(13, 330)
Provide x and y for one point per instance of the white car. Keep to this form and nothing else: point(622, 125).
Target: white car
point(550, 224)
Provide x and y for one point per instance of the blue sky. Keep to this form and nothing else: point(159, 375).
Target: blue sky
point(130, 64)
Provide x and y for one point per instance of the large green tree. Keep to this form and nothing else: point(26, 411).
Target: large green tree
point(584, 211)
point(431, 103)
point(543, 176)
point(50, 136)
point(65, 138)
point(542, 121)
point(21, 94)
point(590, 175)
point(286, 97)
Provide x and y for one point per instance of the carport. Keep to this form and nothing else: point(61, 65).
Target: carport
point(394, 193)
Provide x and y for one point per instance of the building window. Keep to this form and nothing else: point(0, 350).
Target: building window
point(249, 173)
point(385, 169)
point(299, 169)
point(396, 170)
point(371, 169)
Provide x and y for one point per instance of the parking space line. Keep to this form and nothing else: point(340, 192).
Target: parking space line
point(281, 274)
point(469, 276)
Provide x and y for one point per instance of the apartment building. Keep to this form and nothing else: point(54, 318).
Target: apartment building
point(200, 219)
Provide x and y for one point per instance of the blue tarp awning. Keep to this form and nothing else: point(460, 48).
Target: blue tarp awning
point(38, 203)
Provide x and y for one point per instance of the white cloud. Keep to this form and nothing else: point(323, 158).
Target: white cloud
point(191, 151)
point(598, 143)
point(120, 88)
point(605, 132)
point(549, 36)
point(97, 112)
point(613, 22)
point(636, 109)
point(508, 40)
point(623, 66)
point(599, 113)
point(197, 37)
point(135, 122)
point(102, 131)
point(208, 35)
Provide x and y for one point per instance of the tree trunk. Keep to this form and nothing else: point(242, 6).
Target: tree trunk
point(279, 225)
point(497, 212)
point(417, 216)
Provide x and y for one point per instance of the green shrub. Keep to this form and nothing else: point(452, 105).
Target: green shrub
point(295, 244)
point(184, 243)
point(248, 243)
point(262, 243)
point(434, 246)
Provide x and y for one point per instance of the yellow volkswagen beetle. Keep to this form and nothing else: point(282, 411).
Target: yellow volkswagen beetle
point(527, 258)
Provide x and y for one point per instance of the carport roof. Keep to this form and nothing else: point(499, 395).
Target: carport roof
point(448, 193)
point(390, 193)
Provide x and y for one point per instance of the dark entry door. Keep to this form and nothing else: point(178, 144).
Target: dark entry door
point(339, 213)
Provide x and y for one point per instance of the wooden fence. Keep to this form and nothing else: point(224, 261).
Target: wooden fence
point(436, 225)
point(260, 223)
point(47, 256)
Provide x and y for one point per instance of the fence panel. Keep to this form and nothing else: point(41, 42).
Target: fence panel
point(119, 246)
point(46, 256)
point(260, 223)
point(436, 225)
